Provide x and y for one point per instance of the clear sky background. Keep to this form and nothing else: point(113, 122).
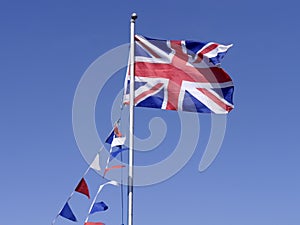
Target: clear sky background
point(46, 46)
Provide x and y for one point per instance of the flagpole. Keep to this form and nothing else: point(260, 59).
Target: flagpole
point(131, 122)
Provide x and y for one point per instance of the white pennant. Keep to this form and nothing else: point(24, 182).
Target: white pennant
point(118, 141)
point(96, 163)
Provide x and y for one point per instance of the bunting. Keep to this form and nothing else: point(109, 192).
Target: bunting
point(67, 213)
point(120, 149)
point(82, 188)
point(96, 163)
point(115, 133)
point(113, 167)
point(116, 141)
point(99, 207)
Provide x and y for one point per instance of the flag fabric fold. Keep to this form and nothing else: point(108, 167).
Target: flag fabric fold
point(180, 75)
point(82, 188)
point(67, 213)
point(99, 207)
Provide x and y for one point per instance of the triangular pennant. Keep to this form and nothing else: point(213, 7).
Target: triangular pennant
point(94, 223)
point(67, 213)
point(99, 207)
point(113, 167)
point(114, 133)
point(96, 163)
point(117, 141)
point(110, 138)
point(82, 188)
point(117, 151)
point(117, 131)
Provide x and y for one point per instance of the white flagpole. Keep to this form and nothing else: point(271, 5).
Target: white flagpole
point(131, 122)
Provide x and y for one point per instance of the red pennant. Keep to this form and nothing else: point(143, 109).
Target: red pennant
point(113, 167)
point(93, 223)
point(83, 188)
point(117, 132)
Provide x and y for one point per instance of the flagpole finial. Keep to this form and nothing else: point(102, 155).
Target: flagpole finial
point(134, 16)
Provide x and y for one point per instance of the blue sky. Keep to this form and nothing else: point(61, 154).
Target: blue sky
point(46, 46)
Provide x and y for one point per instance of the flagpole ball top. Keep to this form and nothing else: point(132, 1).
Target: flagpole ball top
point(134, 16)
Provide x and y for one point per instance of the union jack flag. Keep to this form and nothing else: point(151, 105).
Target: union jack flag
point(180, 75)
